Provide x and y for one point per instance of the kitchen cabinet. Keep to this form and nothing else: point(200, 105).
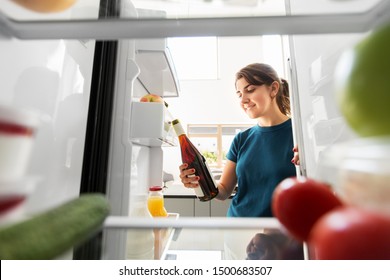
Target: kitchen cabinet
point(219, 208)
point(202, 208)
point(192, 207)
point(184, 206)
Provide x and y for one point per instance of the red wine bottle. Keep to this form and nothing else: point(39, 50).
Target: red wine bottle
point(207, 189)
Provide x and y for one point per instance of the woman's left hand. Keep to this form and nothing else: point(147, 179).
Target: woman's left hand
point(295, 159)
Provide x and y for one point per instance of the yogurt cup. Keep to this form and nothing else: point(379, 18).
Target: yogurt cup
point(13, 197)
point(17, 130)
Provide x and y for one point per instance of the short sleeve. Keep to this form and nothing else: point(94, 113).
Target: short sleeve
point(233, 151)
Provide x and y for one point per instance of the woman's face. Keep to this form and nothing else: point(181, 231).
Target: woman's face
point(262, 247)
point(255, 100)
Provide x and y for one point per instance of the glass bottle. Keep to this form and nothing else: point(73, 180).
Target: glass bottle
point(207, 189)
point(156, 202)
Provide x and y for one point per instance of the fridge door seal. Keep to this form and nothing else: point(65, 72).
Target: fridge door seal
point(97, 140)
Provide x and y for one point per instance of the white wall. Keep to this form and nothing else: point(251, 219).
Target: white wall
point(215, 101)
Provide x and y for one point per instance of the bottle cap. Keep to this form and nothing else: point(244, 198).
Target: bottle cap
point(155, 188)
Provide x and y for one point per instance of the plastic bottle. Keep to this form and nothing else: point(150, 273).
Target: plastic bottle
point(140, 242)
point(156, 202)
point(207, 189)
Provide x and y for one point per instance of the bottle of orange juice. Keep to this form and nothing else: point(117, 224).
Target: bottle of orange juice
point(156, 202)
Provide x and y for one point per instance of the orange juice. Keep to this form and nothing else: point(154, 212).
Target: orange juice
point(156, 206)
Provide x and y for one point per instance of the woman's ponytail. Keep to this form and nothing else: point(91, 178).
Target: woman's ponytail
point(283, 97)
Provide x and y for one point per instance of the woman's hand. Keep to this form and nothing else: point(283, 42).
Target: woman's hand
point(295, 159)
point(187, 176)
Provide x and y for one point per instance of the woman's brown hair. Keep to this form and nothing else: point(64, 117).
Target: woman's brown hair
point(260, 74)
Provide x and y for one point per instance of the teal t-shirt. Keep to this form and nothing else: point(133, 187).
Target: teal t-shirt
point(263, 159)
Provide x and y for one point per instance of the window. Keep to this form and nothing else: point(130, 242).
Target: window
point(214, 140)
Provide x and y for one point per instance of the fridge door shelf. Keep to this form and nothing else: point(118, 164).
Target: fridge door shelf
point(158, 74)
point(150, 125)
point(322, 72)
point(359, 172)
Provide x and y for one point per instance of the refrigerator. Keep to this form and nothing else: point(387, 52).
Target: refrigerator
point(83, 71)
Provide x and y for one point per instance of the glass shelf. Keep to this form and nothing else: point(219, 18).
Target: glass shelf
point(199, 19)
point(212, 238)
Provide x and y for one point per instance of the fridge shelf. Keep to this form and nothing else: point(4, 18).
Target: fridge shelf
point(122, 27)
point(122, 222)
point(150, 125)
point(176, 234)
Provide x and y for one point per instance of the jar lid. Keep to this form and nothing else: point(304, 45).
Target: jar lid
point(155, 188)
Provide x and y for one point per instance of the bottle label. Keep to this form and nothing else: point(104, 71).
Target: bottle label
point(198, 190)
point(178, 129)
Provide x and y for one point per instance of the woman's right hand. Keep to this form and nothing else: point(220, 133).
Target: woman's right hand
point(187, 176)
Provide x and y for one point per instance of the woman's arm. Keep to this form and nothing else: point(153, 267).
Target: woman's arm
point(228, 180)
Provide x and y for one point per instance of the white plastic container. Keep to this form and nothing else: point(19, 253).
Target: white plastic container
point(13, 198)
point(17, 129)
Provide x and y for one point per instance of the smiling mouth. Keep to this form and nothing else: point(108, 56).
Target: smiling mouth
point(248, 107)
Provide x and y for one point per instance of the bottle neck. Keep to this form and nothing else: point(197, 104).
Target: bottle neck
point(178, 128)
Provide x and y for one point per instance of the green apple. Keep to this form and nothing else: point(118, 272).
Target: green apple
point(363, 84)
point(152, 98)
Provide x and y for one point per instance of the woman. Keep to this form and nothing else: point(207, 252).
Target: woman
point(262, 156)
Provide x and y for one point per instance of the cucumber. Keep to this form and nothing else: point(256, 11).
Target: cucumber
point(53, 232)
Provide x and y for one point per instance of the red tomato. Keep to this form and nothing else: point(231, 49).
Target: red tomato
point(350, 233)
point(299, 202)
